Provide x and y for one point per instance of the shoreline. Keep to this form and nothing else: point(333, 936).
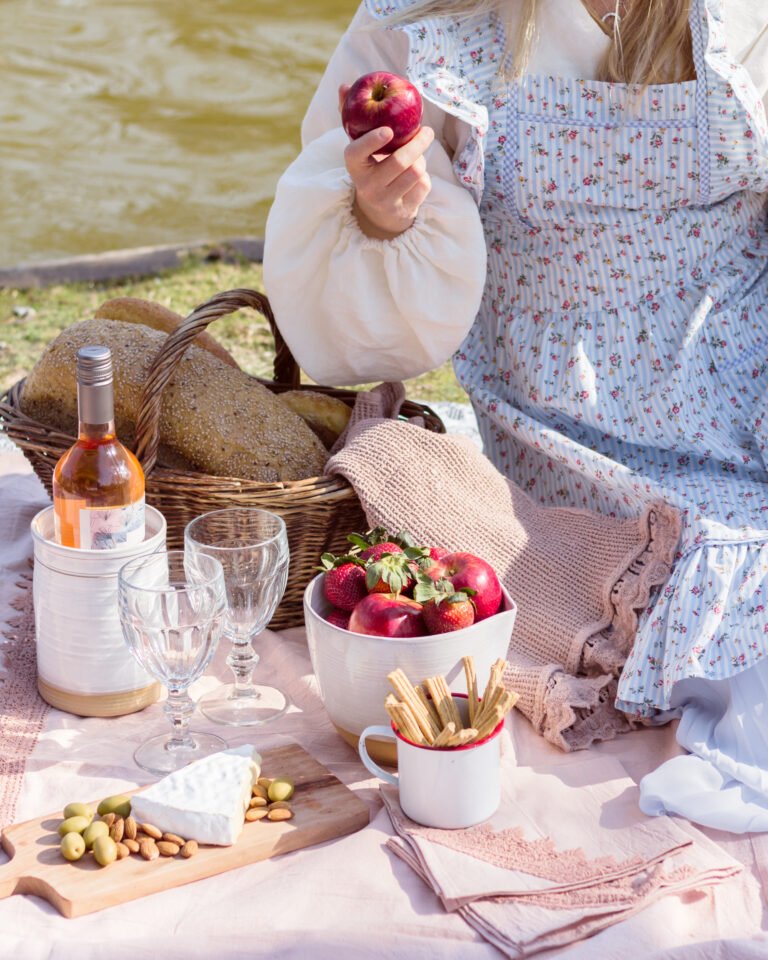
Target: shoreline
point(130, 262)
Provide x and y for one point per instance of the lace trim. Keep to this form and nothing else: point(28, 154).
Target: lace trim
point(510, 850)
point(649, 569)
point(577, 711)
point(622, 891)
point(24, 710)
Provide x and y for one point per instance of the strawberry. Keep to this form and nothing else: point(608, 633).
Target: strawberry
point(339, 618)
point(391, 573)
point(448, 612)
point(378, 549)
point(373, 544)
point(437, 553)
point(444, 608)
point(343, 580)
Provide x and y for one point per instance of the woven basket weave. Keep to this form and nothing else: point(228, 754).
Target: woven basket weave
point(319, 511)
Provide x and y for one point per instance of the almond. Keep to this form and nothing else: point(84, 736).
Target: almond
point(148, 849)
point(132, 845)
point(123, 851)
point(255, 813)
point(109, 818)
point(130, 828)
point(117, 829)
point(279, 813)
point(167, 849)
point(259, 791)
point(152, 831)
point(189, 849)
point(257, 802)
point(174, 838)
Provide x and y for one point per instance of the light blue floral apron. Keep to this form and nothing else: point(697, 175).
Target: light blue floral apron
point(621, 351)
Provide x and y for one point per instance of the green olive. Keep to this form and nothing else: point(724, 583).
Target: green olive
point(104, 851)
point(120, 805)
point(72, 846)
point(281, 788)
point(73, 825)
point(78, 810)
point(93, 831)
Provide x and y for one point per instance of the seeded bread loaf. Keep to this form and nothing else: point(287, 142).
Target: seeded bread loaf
point(136, 310)
point(214, 418)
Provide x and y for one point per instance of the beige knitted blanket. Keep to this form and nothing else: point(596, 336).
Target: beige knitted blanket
point(577, 577)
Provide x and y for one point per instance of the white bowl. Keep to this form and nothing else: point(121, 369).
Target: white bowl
point(352, 668)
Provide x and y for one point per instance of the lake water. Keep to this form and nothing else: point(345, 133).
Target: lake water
point(128, 123)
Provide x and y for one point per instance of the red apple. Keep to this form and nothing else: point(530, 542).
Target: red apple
point(468, 572)
point(387, 615)
point(382, 99)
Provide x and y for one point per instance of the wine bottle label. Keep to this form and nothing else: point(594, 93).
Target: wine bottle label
point(103, 528)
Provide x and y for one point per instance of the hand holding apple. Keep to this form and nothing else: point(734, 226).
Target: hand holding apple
point(389, 190)
point(382, 99)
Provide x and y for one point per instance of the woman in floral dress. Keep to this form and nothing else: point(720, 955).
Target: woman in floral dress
point(582, 223)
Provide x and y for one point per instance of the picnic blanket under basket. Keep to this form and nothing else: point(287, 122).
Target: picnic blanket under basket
point(319, 512)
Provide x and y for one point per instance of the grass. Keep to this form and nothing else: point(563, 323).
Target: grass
point(29, 319)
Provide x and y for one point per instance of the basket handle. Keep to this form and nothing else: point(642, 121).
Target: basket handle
point(286, 370)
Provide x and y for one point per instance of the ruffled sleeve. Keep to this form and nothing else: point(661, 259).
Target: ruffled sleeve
point(354, 309)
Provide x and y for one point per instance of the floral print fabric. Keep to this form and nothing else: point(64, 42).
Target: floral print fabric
point(621, 351)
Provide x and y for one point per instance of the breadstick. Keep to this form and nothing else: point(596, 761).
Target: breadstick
point(490, 699)
point(496, 676)
point(404, 688)
point(471, 675)
point(453, 707)
point(429, 704)
point(407, 724)
point(443, 700)
point(445, 736)
point(505, 703)
point(467, 735)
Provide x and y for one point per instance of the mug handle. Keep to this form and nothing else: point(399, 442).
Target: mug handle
point(374, 768)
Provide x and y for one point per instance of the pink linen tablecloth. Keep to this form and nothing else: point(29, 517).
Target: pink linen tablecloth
point(345, 899)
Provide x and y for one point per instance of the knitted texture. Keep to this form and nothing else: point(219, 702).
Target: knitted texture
point(573, 574)
point(23, 711)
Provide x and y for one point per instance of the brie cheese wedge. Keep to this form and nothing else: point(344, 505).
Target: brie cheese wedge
point(204, 801)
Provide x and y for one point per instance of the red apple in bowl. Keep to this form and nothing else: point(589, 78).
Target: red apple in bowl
point(468, 572)
point(382, 99)
point(387, 615)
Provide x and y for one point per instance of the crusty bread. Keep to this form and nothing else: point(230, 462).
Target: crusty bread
point(214, 418)
point(136, 310)
point(327, 416)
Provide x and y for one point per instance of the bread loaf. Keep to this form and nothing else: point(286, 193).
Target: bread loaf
point(327, 416)
point(136, 310)
point(214, 418)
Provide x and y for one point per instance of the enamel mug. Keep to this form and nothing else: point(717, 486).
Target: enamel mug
point(444, 787)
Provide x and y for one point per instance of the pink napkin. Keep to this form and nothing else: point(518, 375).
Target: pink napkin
point(566, 856)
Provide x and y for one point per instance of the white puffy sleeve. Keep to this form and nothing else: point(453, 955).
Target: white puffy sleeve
point(354, 309)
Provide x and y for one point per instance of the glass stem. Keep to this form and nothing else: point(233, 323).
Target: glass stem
point(242, 661)
point(179, 707)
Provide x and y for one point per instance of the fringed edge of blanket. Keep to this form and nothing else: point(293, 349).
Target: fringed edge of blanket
point(23, 710)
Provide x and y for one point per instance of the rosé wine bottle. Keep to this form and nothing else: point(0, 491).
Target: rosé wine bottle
point(98, 484)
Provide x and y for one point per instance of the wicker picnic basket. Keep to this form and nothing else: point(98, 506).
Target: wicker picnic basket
point(319, 511)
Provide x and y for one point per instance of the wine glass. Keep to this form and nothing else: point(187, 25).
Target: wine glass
point(172, 614)
point(252, 547)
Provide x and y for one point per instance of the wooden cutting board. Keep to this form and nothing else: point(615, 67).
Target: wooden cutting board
point(323, 810)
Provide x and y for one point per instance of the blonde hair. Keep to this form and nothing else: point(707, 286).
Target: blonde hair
point(651, 39)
